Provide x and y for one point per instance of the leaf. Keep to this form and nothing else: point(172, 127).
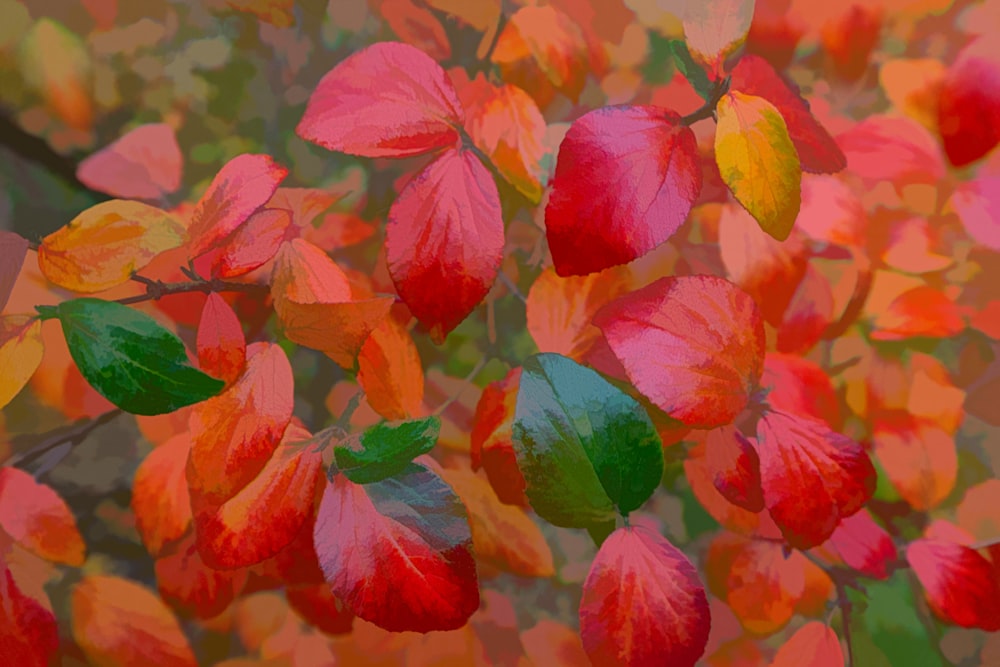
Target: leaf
point(919, 457)
point(716, 29)
point(758, 162)
point(693, 345)
point(263, 516)
point(21, 351)
point(222, 348)
point(625, 180)
point(235, 434)
point(386, 449)
point(502, 535)
point(252, 245)
point(313, 299)
point(412, 110)
point(161, 501)
point(975, 202)
point(30, 635)
point(190, 586)
point(691, 70)
point(415, 25)
point(56, 63)
point(317, 605)
point(243, 185)
point(505, 123)
point(969, 104)
point(130, 359)
point(864, 545)
point(892, 148)
point(560, 310)
point(144, 163)
point(960, 585)
point(554, 644)
point(812, 477)
point(491, 445)
point(922, 311)
point(643, 603)
point(735, 467)
point(117, 622)
point(798, 386)
point(398, 552)
point(444, 240)
point(390, 371)
point(580, 462)
point(103, 246)
point(32, 513)
point(13, 249)
point(809, 313)
point(817, 151)
point(815, 644)
point(831, 212)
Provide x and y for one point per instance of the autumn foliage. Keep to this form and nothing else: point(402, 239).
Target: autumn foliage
point(511, 333)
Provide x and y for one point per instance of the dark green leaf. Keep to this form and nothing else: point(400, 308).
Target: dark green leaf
point(386, 449)
point(691, 70)
point(583, 445)
point(130, 359)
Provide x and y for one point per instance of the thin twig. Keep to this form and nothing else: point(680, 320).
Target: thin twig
point(74, 435)
point(156, 290)
point(511, 286)
point(708, 108)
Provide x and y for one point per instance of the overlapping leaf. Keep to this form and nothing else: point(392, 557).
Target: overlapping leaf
point(386, 449)
point(716, 29)
point(144, 163)
point(919, 457)
point(960, 584)
point(30, 636)
point(735, 467)
point(160, 497)
point(491, 444)
point(21, 351)
point(190, 586)
point(815, 644)
point(32, 513)
point(222, 348)
point(864, 545)
point(13, 249)
point(390, 371)
point(969, 105)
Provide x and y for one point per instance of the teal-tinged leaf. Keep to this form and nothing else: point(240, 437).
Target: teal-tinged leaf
point(130, 359)
point(584, 446)
point(386, 449)
point(692, 71)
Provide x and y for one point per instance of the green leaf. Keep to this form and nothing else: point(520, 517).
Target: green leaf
point(691, 70)
point(130, 359)
point(584, 446)
point(386, 449)
point(887, 611)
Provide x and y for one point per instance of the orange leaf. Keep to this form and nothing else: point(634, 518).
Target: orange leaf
point(815, 644)
point(103, 246)
point(919, 458)
point(317, 604)
point(160, 497)
point(21, 351)
point(491, 440)
point(560, 310)
point(222, 348)
point(187, 584)
point(389, 370)
point(502, 535)
point(553, 644)
point(39, 520)
point(119, 623)
point(236, 432)
point(922, 311)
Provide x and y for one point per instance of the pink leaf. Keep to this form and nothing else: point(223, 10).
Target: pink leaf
point(145, 163)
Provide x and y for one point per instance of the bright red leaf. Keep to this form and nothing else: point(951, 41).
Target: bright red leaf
point(29, 636)
point(398, 552)
point(39, 520)
point(643, 603)
point(693, 345)
point(960, 584)
point(864, 545)
point(251, 246)
point(815, 644)
point(190, 586)
point(144, 163)
point(222, 349)
point(387, 100)
point(735, 467)
point(812, 477)
point(491, 440)
point(243, 185)
point(160, 497)
point(444, 240)
point(625, 180)
point(798, 386)
point(969, 106)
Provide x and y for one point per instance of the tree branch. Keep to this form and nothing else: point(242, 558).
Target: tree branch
point(156, 289)
point(71, 435)
point(707, 110)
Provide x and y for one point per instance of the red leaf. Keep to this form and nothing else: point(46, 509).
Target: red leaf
point(304, 204)
point(29, 636)
point(643, 603)
point(892, 148)
point(808, 314)
point(317, 605)
point(252, 245)
point(969, 107)
point(960, 584)
point(145, 163)
point(864, 545)
point(160, 497)
point(815, 644)
point(976, 203)
point(444, 240)
point(818, 152)
point(187, 584)
point(222, 349)
point(387, 100)
point(812, 477)
point(243, 185)
point(37, 519)
point(799, 386)
point(13, 249)
point(236, 432)
point(735, 467)
point(850, 38)
point(831, 212)
point(625, 180)
point(491, 440)
point(398, 552)
point(922, 311)
point(693, 345)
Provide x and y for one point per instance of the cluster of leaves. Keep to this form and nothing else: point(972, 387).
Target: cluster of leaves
point(782, 328)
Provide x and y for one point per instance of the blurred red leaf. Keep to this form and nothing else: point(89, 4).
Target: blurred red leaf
point(812, 477)
point(798, 386)
point(29, 636)
point(625, 181)
point(808, 315)
point(444, 240)
point(976, 203)
point(864, 545)
point(850, 38)
point(398, 552)
point(144, 163)
point(553, 644)
point(693, 345)
point(221, 345)
point(735, 467)
point(892, 148)
point(317, 605)
point(187, 584)
point(815, 644)
point(415, 25)
point(411, 110)
point(243, 185)
point(160, 497)
point(969, 106)
point(491, 440)
point(831, 212)
point(643, 603)
point(38, 519)
point(919, 457)
point(961, 586)
point(920, 312)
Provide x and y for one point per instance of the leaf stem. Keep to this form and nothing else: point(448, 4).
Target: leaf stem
point(707, 110)
point(156, 289)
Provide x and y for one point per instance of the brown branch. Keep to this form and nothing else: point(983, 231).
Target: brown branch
point(156, 289)
point(707, 110)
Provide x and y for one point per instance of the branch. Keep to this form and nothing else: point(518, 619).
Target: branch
point(71, 435)
point(37, 150)
point(156, 289)
point(707, 110)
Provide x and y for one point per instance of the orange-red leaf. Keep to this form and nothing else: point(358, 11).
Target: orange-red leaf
point(390, 372)
point(919, 457)
point(815, 644)
point(160, 497)
point(318, 605)
point(222, 348)
point(39, 520)
point(144, 163)
point(643, 603)
point(29, 636)
point(693, 345)
point(491, 440)
point(187, 584)
point(960, 584)
point(735, 467)
point(864, 545)
point(922, 311)
point(251, 246)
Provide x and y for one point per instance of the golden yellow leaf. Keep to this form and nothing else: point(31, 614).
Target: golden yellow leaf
point(20, 353)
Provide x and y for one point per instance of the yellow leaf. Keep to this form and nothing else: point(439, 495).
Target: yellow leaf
point(758, 161)
point(20, 353)
point(105, 244)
